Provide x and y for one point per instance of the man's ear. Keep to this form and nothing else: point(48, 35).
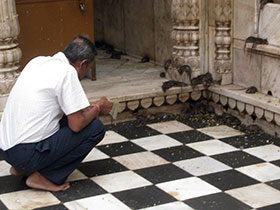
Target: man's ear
point(83, 62)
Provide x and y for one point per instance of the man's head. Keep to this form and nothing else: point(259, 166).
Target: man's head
point(80, 52)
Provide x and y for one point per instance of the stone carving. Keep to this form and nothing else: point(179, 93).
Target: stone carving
point(223, 20)
point(10, 54)
point(185, 36)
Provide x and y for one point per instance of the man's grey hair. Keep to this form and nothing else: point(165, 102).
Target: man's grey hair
point(80, 48)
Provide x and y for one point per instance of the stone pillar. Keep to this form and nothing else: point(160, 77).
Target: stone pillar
point(185, 36)
point(10, 54)
point(223, 56)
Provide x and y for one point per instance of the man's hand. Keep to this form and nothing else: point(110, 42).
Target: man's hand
point(105, 105)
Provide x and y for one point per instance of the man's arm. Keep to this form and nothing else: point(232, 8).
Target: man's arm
point(80, 119)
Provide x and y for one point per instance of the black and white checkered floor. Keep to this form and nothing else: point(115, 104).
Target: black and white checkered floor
point(164, 164)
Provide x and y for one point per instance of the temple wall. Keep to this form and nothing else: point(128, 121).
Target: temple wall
point(138, 27)
point(259, 67)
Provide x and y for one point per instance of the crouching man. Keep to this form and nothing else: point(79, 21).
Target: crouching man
point(34, 138)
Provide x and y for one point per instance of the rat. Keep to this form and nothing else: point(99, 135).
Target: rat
point(251, 90)
point(255, 41)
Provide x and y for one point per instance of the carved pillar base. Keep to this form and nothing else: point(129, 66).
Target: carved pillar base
point(10, 54)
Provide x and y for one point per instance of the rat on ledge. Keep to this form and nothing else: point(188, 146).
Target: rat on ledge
point(255, 41)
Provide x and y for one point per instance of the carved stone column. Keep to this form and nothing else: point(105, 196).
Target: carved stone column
point(185, 36)
point(223, 57)
point(10, 54)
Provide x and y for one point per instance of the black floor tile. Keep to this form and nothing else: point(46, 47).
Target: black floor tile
point(271, 207)
point(190, 136)
point(200, 120)
point(12, 184)
point(275, 184)
point(277, 162)
point(132, 131)
point(237, 159)
point(217, 201)
point(227, 180)
point(162, 173)
point(101, 167)
point(178, 153)
point(80, 189)
point(144, 197)
point(2, 206)
point(1, 155)
point(55, 207)
point(122, 148)
point(249, 140)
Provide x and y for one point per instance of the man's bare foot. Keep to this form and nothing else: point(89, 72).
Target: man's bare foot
point(37, 181)
point(17, 172)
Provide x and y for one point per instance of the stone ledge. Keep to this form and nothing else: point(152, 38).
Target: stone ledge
point(259, 105)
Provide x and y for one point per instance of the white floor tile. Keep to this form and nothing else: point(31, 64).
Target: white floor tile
point(170, 127)
point(121, 181)
point(112, 137)
point(267, 152)
point(201, 166)
point(140, 160)
point(192, 187)
point(107, 201)
point(4, 168)
point(170, 206)
point(75, 176)
point(263, 172)
point(221, 131)
point(257, 196)
point(95, 154)
point(156, 142)
point(212, 147)
point(28, 199)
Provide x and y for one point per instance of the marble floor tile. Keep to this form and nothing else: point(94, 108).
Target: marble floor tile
point(237, 159)
point(140, 160)
point(170, 127)
point(4, 168)
point(187, 188)
point(257, 196)
point(174, 206)
point(120, 181)
point(221, 131)
point(28, 199)
point(162, 173)
point(107, 201)
point(112, 137)
point(263, 172)
point(118, 149)
point(217, 201)
point(201, 166)
point(144, 197)
point(212, 147)
point(95, 154)
point(156, 142)
point(267, 152)
point(75, 176)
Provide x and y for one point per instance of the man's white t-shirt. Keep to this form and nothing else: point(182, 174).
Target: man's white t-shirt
point(47, 88)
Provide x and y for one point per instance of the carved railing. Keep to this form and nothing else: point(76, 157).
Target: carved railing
point(10, 54)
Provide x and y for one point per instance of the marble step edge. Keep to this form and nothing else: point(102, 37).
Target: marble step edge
point(157, 98)
point(258, 104)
